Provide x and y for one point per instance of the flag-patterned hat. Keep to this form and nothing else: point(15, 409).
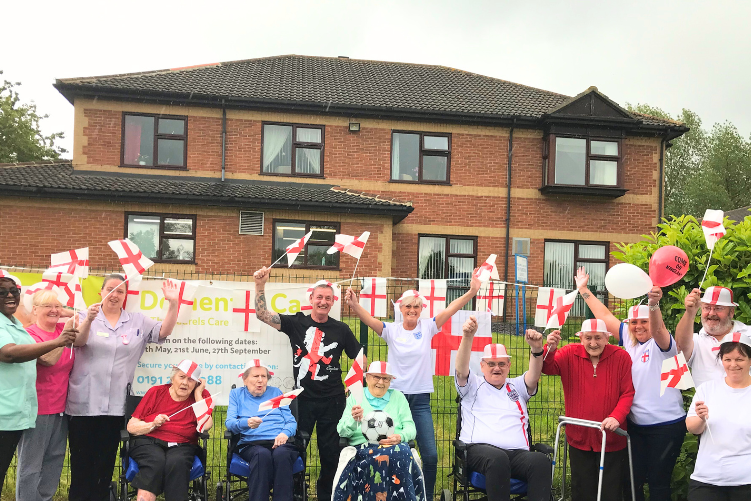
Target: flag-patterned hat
point(5, 274)
point(412, 293)
point(256, 362)
point(594, 325)
point(190, 368)
point(380, 368)
point(495, 351)
point(718, 296)
point(638, 311)
point(736, 337)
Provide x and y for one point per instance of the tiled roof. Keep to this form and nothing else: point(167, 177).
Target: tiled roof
point(59, 179)
point(328, 81)
point(739, 214)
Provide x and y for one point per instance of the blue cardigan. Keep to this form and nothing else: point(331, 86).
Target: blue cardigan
point(243, 405)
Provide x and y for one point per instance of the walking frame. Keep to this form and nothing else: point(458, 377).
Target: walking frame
point(564, 420)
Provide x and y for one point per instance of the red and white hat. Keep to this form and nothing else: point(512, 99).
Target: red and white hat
point(638, 311)
point(718, 296)
point(380, 368)
point(256, 362)
point(736, 337)
point(5, 274)
point(412, 293)
point(495, 351)
point(190, 368)
point(323, 283)
point(593, 325)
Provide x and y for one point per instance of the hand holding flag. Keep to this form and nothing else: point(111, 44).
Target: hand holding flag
point(282, 400)
point(355, 376)
point(488, 270)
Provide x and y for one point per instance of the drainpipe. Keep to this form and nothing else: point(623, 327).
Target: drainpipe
point(224, 136)
point(662, 176)
point(508, 197)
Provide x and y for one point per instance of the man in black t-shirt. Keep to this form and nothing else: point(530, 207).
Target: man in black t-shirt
point(317, 344)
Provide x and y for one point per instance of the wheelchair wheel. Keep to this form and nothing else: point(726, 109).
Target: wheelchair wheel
point(445, 495)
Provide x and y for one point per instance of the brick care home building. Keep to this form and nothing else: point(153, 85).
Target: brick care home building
point(217, 168)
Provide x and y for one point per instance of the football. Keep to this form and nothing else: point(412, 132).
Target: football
point(376, 426)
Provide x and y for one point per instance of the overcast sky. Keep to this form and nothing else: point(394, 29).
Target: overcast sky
point(673, 55)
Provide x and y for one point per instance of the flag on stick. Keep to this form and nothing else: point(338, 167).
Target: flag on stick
point(203, 409)
point(131, 258)
point(675, 374)
point(74, 262)
point(282, 400)
point(354, 378)
point(349, 244)
point(294, 249)
point(546, 298)
point(561, 310)
point(488, 270)
point(713, 227)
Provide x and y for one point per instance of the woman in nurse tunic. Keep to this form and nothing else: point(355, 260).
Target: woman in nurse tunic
point(719, 413)
point(656, 422)
point(409, 356)
point(110, 343)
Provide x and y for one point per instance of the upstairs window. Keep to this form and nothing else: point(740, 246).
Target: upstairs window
point(292, 150)
point(420, 157)
point(154, 141)
point(586, 162)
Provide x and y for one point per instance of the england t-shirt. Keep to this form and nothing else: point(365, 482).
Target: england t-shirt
point(725, 455)
point(409, 355)
point(494, 416)
point(649, 408)
point(703, 362)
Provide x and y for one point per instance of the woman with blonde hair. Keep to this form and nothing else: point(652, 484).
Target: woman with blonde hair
point(41, 451)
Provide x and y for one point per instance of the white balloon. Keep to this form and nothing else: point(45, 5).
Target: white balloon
point(626, 281)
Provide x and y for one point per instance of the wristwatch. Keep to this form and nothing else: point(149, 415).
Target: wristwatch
point(538, 354)
point(654, 307)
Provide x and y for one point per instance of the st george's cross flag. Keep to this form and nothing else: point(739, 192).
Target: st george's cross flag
point(560, 311)
point(675, 374)
point(131, 258)
point(446, 343)
point(349, 244)
point(203, 409)
point(132, 301)
point(546, 297)
point(373, 296)
point(74, 262)
point(296, 248)
point(282, 400)
point(713, 227)
point(353, 381)
point(244, 311)
point(69, 288)
point(490, 297)
point(185, 295)
point(433, 293)
point(28, 301)
point(488, 270)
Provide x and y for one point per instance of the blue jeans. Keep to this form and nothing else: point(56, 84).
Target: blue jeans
point(419, 404)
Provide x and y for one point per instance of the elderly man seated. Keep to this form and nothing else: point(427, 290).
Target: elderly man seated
point(264, 439)
point(495, 417)
point(164, 447)
point(378, 467)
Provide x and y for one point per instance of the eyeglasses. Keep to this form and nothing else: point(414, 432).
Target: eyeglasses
point(14, 291)
point(493, 365)
point(51, 306)
point(385, 379)
point(710, 307)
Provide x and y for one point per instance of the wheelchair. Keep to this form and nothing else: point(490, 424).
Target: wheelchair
point(235, 483)
point(120, 490)
point(468, 482)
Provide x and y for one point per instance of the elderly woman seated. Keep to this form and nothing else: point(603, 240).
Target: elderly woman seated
point(164, 447)
point(379, 464)
point(264, 439)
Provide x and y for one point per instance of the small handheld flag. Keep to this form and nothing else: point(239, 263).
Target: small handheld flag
point(488, 270)
point(74, 262)
point(282, 400)
point(675, 374)
point(354, 378)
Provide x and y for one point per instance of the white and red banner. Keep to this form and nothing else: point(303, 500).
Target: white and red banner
point(434, 295)
point(131, 258)
point(349, 244)
point(74, 262)
point(282, 400)
point(560, 311)
point(546, 298)
point(69, 288)
point(488, 270)
point(296, 248)
point(446, 343)
point(675, 374)
point(203, 409)
point(373, 296)
point(244, 311)
point(133, 294)
point(354, 380)
point(713, 227)
point(490, 297)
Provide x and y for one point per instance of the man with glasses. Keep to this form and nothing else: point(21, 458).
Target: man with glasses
point(700, 350)
point(495, 417)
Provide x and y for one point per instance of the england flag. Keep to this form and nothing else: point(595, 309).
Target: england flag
point(445, 344)
point(434, 294)
point(373, 296)
point(713, 227)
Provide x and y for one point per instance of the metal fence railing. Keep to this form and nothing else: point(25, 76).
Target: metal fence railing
point(544, 408)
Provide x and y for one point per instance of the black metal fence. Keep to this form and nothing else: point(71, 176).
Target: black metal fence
point(544, 408)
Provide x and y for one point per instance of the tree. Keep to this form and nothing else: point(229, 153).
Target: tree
point(21, 138)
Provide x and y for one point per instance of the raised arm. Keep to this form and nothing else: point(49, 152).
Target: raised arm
point(656, 324)
point(264, 315)
point(458, 303)
point(684, 331)
point(532, 377)
point(351, 298)
point(599, 310)
point(171, 292)
point(465, 351)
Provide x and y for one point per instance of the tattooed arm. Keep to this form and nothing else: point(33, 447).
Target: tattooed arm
point(264, 315)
